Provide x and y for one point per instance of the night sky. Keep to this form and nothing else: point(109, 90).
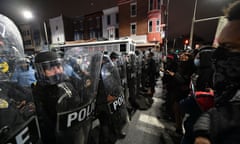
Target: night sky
point(180, 12)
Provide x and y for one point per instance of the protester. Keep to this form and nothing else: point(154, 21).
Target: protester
point(200, 98)
point(220, 125)
point(181, 79)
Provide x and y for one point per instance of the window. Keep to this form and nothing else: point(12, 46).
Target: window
point(28, 33)
point(98, 33)
point(90, 23)
point(123, 47)
point(150, 5)
point(117, 18)
point(92, 34)
point(24, 33)
point(116, 33)
point(159, 4)
point(108, 19)
point(81, 25)
point(150, 26)
point(98, 22)
point(133, 28)
point(133, 9)
point(76, 35)
point(158, 25)
point(28, 42)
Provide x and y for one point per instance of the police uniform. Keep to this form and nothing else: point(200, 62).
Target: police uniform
point(53, 99)
point(111, 120)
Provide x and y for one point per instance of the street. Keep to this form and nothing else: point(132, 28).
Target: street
point(149, 126)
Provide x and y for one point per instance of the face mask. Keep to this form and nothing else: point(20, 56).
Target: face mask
point(227, 70)
point(197, 62)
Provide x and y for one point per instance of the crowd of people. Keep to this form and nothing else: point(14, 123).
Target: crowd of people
point(203, 87)
point(54, 97)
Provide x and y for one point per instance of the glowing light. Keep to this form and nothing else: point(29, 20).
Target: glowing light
point(27, 14)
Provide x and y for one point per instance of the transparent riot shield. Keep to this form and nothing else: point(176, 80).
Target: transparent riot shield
point(18, 121)
point(132, 77)
point(139, 69)
point(121, 63)
point(113, 94)
point(74, 123)
point(112, 85)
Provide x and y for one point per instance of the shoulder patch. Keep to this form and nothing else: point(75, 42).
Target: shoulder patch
point(3, 104)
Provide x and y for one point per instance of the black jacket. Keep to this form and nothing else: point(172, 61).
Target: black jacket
point(221, 124)
point(47, 99)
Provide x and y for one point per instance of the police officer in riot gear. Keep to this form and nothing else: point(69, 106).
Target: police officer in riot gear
point(63, 103)
point(110, 105)
point(119, 60)
point(18, 122)
point(49, 92)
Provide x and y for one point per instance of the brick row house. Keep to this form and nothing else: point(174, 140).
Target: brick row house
point(139, 20)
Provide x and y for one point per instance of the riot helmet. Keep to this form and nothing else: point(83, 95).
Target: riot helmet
point(23, 64)
point(49, 68)
point(11, 47)
point(115, 55)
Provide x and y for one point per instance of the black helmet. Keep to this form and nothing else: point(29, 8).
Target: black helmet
point(23, 64)
point(115, 55)
point(45, 61)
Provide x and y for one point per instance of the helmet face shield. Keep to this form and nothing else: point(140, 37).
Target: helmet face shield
point(50, 72)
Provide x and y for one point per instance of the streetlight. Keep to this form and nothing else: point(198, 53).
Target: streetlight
point(193, 21)
point(46, 34)
point(166, 29)
point(27, 14)
point(199, 20)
